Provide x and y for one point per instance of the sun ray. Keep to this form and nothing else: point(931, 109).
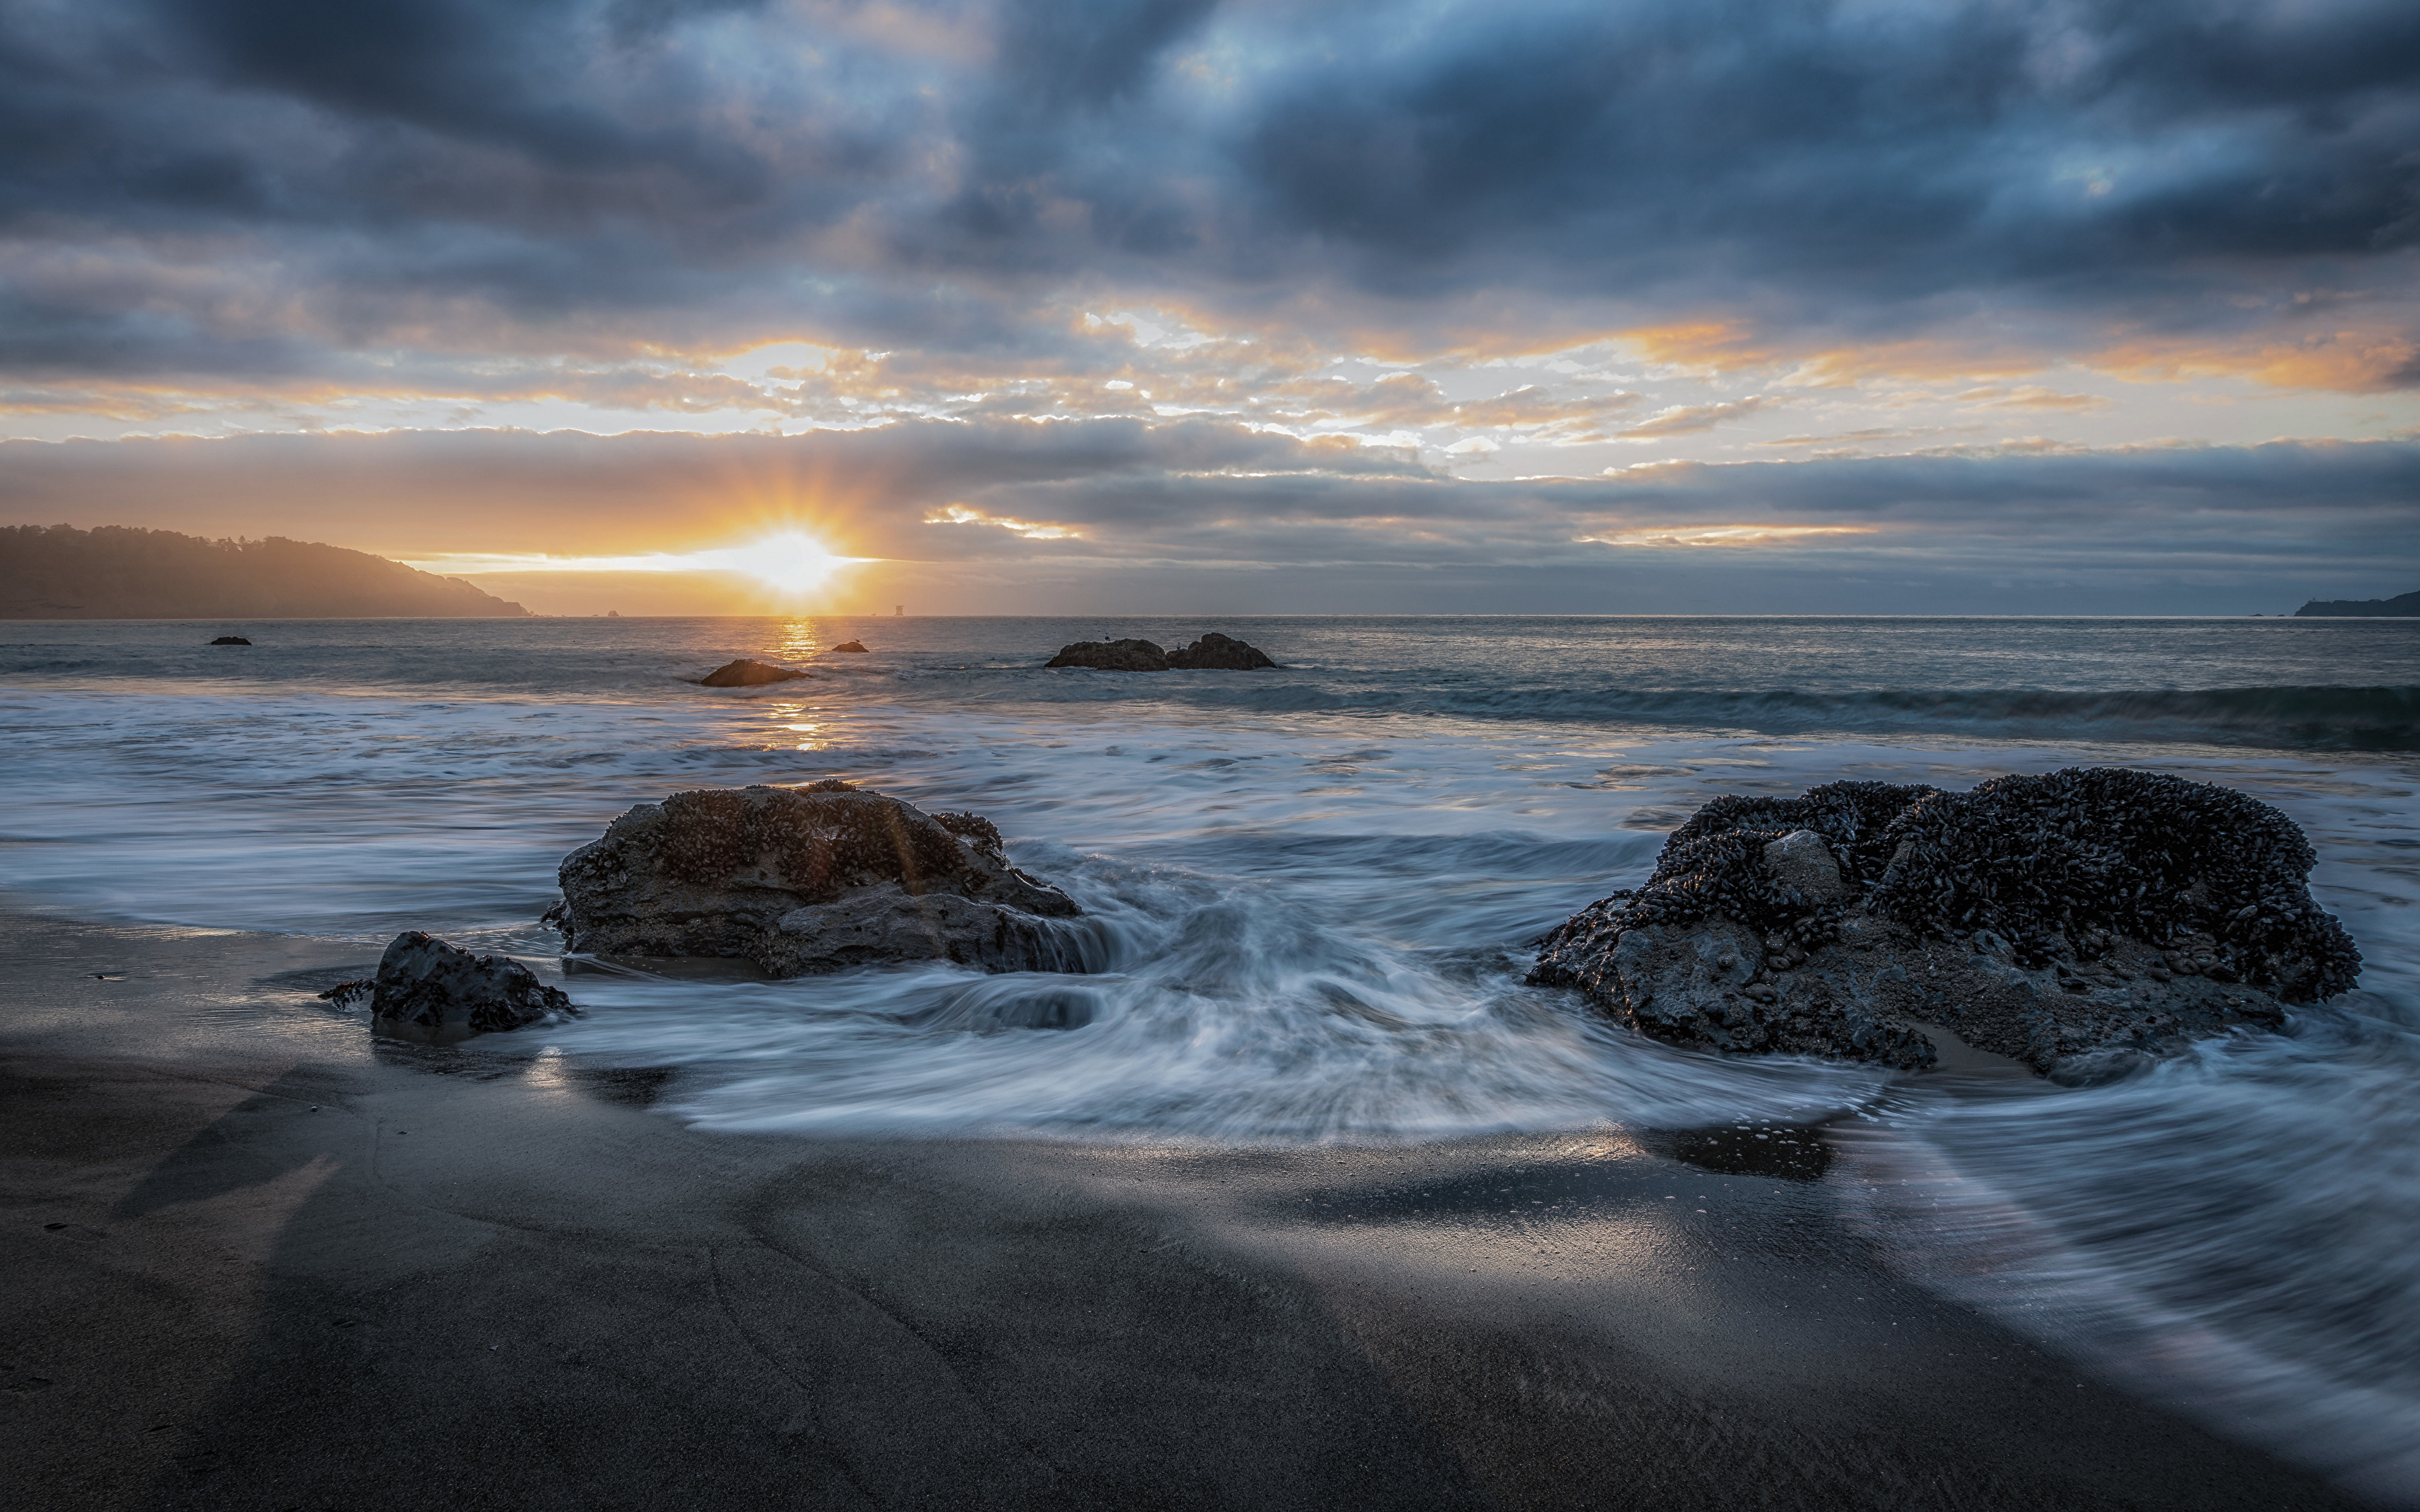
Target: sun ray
point(790, 561)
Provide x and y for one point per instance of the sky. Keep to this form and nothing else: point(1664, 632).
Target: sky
point(1144, 306)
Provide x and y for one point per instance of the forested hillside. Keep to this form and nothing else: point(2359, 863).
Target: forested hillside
point(115, 572)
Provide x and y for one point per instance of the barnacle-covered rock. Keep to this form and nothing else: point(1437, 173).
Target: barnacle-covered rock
point(2091, 913)
point(813, 879)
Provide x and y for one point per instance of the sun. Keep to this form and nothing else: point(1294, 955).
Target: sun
point(791, 561)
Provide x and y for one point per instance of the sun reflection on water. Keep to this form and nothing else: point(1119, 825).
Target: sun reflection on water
point(798, 638)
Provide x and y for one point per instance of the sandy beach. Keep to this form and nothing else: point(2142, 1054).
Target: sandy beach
point(260, 1261)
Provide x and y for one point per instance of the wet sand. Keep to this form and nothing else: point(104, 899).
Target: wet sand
point(257, 1261)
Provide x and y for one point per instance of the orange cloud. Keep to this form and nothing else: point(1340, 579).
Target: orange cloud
point(133, 403)
point(1701, 347)
point(2341, 361)
point(1932, 360)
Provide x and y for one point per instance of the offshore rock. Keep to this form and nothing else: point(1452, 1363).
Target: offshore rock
point(746, 673)
point(429, 989)
point(1112, 657)
point(815, 879)
point(858, 646)
point(230, 641)
point(1211, 653)
point(2075, 921)
point(1219, 653)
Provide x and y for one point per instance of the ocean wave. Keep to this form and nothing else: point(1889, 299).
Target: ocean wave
point(1232, 1013)
point(2230, 1232)
point(2294, 717)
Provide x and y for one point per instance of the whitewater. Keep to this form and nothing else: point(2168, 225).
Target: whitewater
point(1318, 886)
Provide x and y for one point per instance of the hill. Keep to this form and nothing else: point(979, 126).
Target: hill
point(2402, 606)
point(115, 572)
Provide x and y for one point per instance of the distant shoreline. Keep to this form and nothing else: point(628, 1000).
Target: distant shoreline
point(115, 572)
point(2401, 607)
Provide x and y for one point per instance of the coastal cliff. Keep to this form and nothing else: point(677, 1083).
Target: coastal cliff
point(115, 572)
point(2402, 606)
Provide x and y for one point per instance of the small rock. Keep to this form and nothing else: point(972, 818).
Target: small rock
point(851, 645)
point(427, 986)
point(349, 994)
point(746, 673)
point(230, 641)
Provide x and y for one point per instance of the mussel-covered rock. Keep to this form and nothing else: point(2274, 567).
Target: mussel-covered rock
point(2067, 920)
point(427, 989)
point(813, 879)
point(746, 673)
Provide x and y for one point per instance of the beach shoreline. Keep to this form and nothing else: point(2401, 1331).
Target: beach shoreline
point(264, 1261)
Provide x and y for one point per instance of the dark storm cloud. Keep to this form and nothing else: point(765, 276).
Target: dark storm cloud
point(1939, 146)
point(663, 172)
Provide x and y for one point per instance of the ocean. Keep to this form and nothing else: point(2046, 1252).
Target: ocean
point(1321, 883)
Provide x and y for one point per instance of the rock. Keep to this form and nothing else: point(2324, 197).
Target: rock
point(814, 879)
point(427, 988)
point(230, 641)
point(1112, 657)
point(2078, 920)
point(1212, 653)
point(858, 646)
point(746, 673)
point(1217, 652)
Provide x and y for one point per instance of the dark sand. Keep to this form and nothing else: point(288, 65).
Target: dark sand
point(490, 1281)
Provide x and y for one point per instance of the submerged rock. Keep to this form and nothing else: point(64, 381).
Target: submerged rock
point(1219, 653)
point(746, 673)
point(428, 987)
point(230, 641)
point(812, 879)
point(851, 645)
point(2072, 920)
point(1211, 653)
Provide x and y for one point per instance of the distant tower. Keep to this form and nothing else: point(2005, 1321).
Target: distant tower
point(897, 610)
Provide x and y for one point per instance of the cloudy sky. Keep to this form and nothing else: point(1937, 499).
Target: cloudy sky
point(1126, 305)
